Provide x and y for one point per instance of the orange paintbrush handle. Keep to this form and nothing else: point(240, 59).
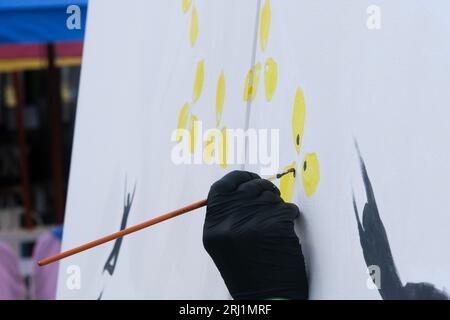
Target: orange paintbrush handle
point(123, 232)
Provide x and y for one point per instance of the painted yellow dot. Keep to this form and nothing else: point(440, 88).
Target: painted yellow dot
point(270, 78)
point(193, 132)
point(310, 173)
point(183, 116)
point(185, 5)
point(194, 27)
point(287, 183)
point(198, 84)
point(251, 82)
point(264, 27)
point(220, 97)
point(298, 119)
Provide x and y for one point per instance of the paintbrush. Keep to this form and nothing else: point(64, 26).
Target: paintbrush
point(139, 226)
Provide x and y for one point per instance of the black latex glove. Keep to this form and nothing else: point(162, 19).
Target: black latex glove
point(249, 233)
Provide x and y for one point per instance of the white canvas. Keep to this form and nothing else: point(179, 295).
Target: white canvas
point(385, 89)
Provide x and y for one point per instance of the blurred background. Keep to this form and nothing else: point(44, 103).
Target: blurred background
point(41, 44)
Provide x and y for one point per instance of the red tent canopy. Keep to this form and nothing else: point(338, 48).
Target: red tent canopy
point(15, 57)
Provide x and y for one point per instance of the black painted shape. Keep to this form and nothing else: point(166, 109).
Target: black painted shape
point(377, 251)
point(112, 259)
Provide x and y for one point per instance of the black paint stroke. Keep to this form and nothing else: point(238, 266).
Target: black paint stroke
point(111, 262)
point(377, 251)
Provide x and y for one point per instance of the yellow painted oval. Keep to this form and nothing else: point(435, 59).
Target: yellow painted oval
point(287, 183)
point(251, 82)
point(185, 5)
point(264, 26)
point(270, 78)
point(183, 116)
point(298, 119)
point(220, 97)
point(310, 173)
point(198, 83)
point(194, 27)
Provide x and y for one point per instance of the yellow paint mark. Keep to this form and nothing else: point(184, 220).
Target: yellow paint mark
point(194, 27)
point(220, 97)
point(186, 4)
point(264, 27)
point(287, 184)
point(193, 132)
point(251, 82)
point(270, 78)
point(183, 116)
point(310, 173)
point(198, 84)
point(298, 119)
point(223, 148)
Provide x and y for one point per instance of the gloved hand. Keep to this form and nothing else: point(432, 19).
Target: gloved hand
point(249, 233)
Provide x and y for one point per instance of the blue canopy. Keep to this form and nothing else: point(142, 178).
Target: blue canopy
point(37, 21)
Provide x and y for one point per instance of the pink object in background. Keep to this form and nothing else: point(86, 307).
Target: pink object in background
point(11, 282)
point(44, 279)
